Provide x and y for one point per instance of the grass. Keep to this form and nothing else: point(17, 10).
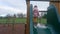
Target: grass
point(20, 20)
point(42, 20)
point(12, 20)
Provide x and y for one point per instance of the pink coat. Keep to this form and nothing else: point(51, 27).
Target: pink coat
point(35, 12)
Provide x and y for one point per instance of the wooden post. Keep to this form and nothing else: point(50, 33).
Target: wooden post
point(27, 28)
point(57, 4)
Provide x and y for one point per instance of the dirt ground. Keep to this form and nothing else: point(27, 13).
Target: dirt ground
point(12, 29)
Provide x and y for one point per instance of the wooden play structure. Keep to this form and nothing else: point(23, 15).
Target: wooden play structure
point(29, 24)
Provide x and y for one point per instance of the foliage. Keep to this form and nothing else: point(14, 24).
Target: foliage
point(20, 20)
point(45, 16)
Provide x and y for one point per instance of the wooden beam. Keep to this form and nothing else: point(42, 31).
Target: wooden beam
point(39, 0)
point(42, 11)
point(57, 5)
point(54, 1)
point(27, 29)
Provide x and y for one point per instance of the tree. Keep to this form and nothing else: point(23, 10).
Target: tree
point(20, 15)
point(45, 16)
point(8, 16)
point(14, 15)
point(1, 17)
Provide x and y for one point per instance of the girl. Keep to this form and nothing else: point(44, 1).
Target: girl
point(35, 14)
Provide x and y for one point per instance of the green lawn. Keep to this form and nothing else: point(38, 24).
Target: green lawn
point(43, 21)
point(12, 20)
point(20, 20)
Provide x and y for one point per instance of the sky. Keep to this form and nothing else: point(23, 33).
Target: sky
point(12, 7)
point(42, 5)
point(18, 6)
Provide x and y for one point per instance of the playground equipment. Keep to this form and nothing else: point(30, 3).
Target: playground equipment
point(53, 18)
point(31, 19)
point(33, 30)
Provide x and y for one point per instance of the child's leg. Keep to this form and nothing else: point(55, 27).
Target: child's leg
point(35, 20)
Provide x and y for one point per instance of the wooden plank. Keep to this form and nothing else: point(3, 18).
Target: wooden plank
point(54, 0)
point(27, 30)
point(57, 5)
point(42, 11)
point(39, 0)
